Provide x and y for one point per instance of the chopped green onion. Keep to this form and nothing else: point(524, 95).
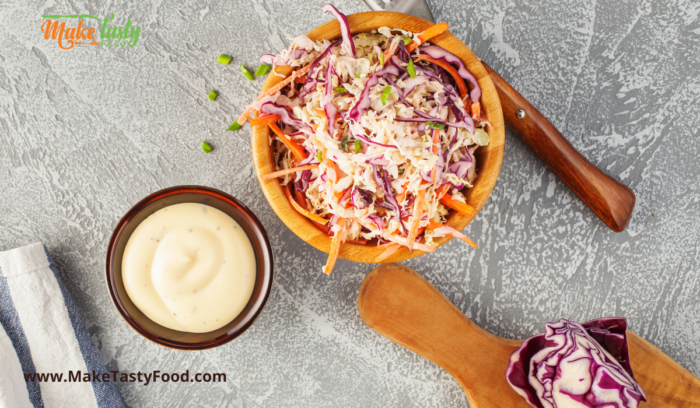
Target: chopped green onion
point(411, 69)
point(224, 59)
point(340, 89)
point(206, 147)
point(435, 125)
point(358, 74)
point(385, 94)
point(402, 170)
point(358, 146)
point(407, 41)
point(234, 126)
point(247, 73)
point(381, 58)
point(319, 156)
point(262, 70)
point(212, 95)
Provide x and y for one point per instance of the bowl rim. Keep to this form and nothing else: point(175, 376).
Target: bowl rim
point(486, 179)
point(216, 194)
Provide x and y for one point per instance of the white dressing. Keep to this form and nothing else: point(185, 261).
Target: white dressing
point(189, 267)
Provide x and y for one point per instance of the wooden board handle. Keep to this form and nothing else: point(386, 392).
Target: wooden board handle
point(610, 200)
point(402, 306)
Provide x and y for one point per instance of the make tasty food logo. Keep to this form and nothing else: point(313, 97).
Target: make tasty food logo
point(69, 34)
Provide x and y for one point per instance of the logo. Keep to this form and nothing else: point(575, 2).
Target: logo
point(111, 35)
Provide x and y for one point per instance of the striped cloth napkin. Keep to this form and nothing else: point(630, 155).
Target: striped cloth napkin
point(41, 332)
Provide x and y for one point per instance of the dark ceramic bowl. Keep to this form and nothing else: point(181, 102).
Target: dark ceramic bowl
point(173, 338)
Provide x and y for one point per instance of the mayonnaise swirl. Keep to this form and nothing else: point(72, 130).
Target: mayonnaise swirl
point(189, 267)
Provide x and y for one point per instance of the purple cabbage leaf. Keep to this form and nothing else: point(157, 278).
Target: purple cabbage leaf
point(576, 365)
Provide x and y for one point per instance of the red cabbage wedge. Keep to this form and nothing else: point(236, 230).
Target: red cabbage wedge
point(576, 365)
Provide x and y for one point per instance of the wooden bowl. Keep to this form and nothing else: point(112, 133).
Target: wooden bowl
point(488, 158)
point(173, 338)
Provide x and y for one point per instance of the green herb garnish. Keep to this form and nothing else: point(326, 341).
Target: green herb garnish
point(319, 156)
point(206, 147)
point(234, 126)
point(358, 74)
point(385, 94)
point(411, 68)
point(358, 146)
point(224, 59)
point(247, 73)
point(262, 70)
point(381, 58)
point(402, 170)
point(407, 41)
point(435, 125)
point(340, 89)
point(212, 95)
point(343, 145)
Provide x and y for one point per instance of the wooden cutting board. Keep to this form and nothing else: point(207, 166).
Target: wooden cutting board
point(402, 306)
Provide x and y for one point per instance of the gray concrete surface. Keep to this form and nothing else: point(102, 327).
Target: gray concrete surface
point(87, 132)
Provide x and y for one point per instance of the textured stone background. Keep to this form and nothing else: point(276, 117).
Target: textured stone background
point(87, 132)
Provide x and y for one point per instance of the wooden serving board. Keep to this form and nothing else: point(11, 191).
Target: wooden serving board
point(402, 306)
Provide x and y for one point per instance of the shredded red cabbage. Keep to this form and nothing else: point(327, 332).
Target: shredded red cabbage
point(361, 198)
point(310, 83)
point(344, 26)
point(364, 102)
point(329, 107)
point(272, 108)
point(440, 53)
point(267, 59)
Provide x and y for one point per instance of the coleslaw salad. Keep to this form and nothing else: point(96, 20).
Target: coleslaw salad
point(373, 136)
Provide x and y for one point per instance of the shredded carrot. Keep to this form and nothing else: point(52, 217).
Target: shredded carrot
point(296, 149)
point(389, 251)
point(400, 196)
point(433, 31)
point(264, 120)
point(300, 198)
point(398, 238)
point(449, 68)
point(322, 227)
point(358, 241)
point(467, 104)
point(442, 190)
point(284, 172)
point(418, 207)
point(300, 80)
point(302, 211)
point(320, 112)
point(389, 52)
point(335, 174)
point(335, 247)
point(452, 232)
point(299, 72)
point(416, 245)
point(436, 140)
point(476, 110)
point(457, 205)
point(339, 194)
